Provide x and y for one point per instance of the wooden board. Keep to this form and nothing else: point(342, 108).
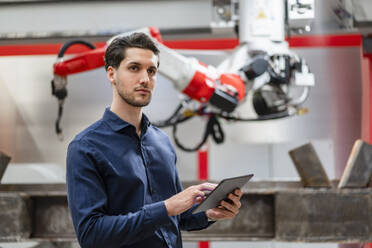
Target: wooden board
point(309, 166)
point(358, 170)
point(4, 160)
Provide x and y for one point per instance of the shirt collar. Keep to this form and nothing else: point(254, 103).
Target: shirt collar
point(117, 124)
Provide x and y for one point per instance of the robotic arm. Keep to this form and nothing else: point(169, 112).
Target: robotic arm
point(198, 81)
point(218, 90)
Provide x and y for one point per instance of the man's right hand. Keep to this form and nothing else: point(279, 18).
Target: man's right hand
point(184, 200)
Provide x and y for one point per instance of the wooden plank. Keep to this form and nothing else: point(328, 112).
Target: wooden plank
point(358, 170)
point(4, 160)
point(309, 167)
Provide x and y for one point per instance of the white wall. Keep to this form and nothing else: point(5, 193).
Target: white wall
point(103, 16)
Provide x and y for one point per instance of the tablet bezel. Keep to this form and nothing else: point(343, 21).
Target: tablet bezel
point(218, 191)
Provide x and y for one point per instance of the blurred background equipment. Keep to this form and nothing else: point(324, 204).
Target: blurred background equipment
point(280, 81)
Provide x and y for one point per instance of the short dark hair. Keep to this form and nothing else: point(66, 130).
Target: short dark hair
point(115, 52)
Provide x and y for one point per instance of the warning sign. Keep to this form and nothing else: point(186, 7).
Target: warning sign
point(261, 15)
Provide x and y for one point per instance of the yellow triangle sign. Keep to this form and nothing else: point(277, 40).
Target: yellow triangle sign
point(261, 15)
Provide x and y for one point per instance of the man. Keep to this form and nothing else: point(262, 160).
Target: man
point(122, 182)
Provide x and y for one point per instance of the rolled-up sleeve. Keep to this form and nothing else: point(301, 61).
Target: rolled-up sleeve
point(87, 200)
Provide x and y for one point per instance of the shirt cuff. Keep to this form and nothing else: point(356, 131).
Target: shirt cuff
point(210, 221)
point(204, 222)
point(157, 213)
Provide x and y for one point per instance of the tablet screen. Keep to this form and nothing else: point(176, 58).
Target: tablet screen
point(225, 187)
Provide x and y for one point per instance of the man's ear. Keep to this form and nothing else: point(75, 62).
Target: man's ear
point(111, 75)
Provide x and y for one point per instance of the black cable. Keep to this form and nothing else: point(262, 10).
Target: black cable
point(182, 147)
point(60, 112)
point(61, 93)
point(168, 122)
point(68, 44)
point(275, 116)
point(213, 128)
point(176, 117)
point(179, 120)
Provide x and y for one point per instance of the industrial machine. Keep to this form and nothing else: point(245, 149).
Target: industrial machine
point(262, 69)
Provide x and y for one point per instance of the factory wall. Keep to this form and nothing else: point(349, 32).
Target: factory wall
point(102, 16)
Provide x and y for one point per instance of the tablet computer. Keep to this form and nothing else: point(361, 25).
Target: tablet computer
point(220, 193)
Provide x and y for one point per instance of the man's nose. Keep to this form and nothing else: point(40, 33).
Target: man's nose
point(144, 79)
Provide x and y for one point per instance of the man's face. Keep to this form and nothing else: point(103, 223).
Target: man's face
point(134, 79)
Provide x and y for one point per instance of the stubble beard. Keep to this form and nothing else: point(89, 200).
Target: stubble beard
point(129, 99)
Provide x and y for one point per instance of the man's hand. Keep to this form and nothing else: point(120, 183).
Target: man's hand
point(184, 200)
point(226, 210)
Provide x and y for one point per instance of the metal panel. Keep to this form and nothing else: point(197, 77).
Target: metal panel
point(15, 217)
point(255, 220)
point(324, 215)
point(270, 211)
point(51, 218)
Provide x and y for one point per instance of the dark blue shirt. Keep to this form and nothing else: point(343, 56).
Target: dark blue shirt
point(117, 183)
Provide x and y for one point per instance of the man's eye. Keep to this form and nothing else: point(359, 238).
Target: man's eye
point(133, 68)
point(151, 71)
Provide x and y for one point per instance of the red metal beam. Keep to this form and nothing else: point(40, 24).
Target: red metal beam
point(331, 40)
point(203, 175)
point(42, 49)
point(203, 164)
point(201, 44)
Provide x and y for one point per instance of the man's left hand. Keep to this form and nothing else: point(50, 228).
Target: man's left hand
point(226, 210)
